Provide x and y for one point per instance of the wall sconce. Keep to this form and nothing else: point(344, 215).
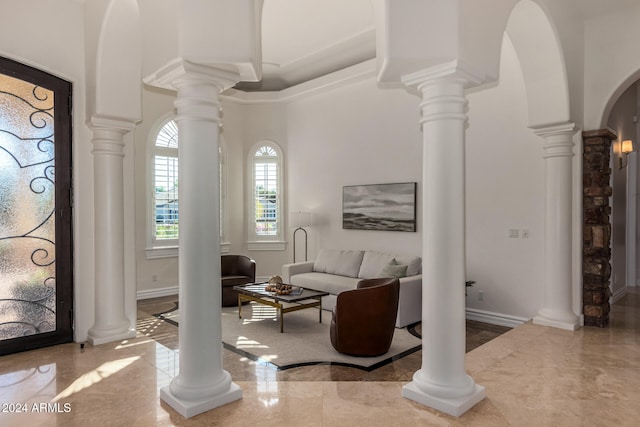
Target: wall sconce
point(300, 220)
point(626, 147)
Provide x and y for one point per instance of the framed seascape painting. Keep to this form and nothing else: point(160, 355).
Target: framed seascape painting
point(387, 207)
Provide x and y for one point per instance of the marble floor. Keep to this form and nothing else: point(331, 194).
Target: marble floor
point(533, 375)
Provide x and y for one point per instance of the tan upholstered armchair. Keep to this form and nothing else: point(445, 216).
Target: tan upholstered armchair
point(364, 318)
point(235, 270)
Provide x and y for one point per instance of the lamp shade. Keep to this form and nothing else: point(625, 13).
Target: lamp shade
point(301, 219)
point(627, 146)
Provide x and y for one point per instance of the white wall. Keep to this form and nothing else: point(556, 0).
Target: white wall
point(621, 122)
point(505, 190)
point(245, 125)
point(352, 135)
point(152, 274)
point(611, 64)
point(60, 51)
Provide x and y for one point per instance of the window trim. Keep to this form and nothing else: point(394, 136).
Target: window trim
point(158, 249)
point(256, 242)
point(225, 243)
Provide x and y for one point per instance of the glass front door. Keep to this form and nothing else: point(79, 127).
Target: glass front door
point(35, 210)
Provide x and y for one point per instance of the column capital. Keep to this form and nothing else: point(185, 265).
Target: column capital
point(108, 135)
point(453, 70)
point(544, 131)
point(180, 71)
point(558, 139)
point(103, 122)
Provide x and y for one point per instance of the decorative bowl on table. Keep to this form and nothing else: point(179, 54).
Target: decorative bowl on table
point(275, 285)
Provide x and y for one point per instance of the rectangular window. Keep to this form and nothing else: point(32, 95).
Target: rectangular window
point(166, 197)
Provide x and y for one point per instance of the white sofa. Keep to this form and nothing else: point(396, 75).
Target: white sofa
point(335, 271)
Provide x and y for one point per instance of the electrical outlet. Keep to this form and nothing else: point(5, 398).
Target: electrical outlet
point(514, 233)
point(525, 233)
point(480, 295)
point(154, 278)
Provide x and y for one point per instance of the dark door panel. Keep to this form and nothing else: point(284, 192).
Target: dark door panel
point(36, 266)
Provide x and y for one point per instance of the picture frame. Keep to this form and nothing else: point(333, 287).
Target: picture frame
point(383, 207)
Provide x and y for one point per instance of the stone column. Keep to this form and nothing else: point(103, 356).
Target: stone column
point(111, 323)
point(201, 384)
point(596, 245)
point(558, 156)
point(442, 382)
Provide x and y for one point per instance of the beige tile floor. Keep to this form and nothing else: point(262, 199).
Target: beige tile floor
point(534, 376)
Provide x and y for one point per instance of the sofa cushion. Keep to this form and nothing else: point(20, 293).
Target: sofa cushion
point(373, 262)
point(393, 269)
point(324, 282)
point(342, 263)
point(414, 264)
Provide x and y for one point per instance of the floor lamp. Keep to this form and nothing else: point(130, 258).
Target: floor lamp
point(300, 220)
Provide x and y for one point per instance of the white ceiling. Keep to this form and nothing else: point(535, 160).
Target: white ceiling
point(305, 39)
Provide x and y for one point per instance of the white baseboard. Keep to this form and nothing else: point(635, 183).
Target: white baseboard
point(173, 290)
point(495, 318)
point(620, 293)
point(155, 293)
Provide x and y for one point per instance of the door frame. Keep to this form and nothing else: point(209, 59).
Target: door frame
point(63, 207)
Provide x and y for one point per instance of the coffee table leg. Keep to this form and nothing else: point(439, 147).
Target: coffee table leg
point(281, 320)
point(239, 307)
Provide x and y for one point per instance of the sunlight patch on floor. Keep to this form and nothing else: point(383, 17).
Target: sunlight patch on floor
point(95, 376)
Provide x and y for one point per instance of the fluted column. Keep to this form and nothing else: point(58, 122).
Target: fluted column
point(558, 154)
point(442, 382)
point(111, 323)
point(201, 384)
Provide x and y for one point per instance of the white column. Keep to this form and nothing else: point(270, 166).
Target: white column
point(111, 323)
point(558, 156)
point(442, 382)
point(201, 384)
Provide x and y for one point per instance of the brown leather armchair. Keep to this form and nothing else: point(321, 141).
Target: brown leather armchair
point(235, 270)
point(364, 318)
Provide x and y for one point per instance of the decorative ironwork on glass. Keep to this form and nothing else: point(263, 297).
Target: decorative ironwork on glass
point(27, 206)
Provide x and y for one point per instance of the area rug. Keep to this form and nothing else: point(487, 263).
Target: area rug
point(304, 342)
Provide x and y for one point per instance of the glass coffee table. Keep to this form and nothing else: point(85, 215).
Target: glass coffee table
point(299, 299)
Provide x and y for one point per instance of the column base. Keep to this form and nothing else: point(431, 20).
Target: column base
point(455, 406)
point(103, 337)
point(190, 408)
point(567, 325)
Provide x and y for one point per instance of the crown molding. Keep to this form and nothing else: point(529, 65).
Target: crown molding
point(355, 73)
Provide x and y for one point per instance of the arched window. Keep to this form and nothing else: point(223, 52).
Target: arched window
point(265, 193)
point(165, 185)
point(164, 209)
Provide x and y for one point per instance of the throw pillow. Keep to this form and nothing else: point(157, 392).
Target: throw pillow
point(373, 263)
point(395, 270)
point(343, 263)
point(325, 260)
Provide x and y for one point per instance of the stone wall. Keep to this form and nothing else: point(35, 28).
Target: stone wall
point(596, 247)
